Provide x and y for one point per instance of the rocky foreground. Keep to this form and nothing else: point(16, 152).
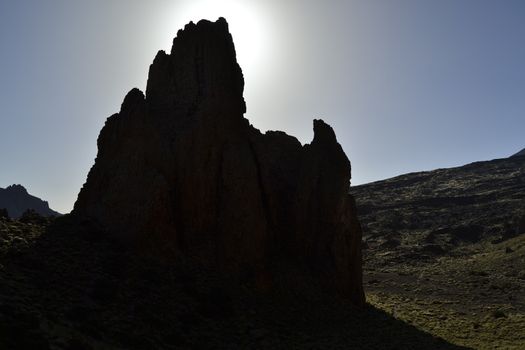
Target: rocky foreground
point(70, 287)
point(445, 251)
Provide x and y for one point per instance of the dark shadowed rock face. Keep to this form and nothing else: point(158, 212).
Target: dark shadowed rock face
point(181, 171)
point(16, 200)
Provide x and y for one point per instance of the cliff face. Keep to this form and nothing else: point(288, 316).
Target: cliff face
point(17, 200)
point(180, 171)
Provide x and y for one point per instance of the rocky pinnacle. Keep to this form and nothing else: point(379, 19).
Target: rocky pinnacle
point(180, 172)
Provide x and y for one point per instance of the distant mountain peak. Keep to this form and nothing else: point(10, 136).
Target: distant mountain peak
point(17, 200)
point(519, 154)
point(16, 188)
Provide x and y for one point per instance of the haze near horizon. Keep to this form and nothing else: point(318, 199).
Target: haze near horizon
point(407, 85)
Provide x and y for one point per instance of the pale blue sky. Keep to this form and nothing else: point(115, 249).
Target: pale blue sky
point(408, 85)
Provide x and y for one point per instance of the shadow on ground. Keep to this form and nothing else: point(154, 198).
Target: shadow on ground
point(73, 289)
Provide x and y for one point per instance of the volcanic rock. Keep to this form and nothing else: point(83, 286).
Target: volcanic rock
point(181, 172)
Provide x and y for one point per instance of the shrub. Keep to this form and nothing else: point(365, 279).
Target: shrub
point(498, 314)
point(521, 224)
point(4, 214)
point(30, 216)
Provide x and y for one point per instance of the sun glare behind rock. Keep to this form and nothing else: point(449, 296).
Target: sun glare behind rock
point(245, 22)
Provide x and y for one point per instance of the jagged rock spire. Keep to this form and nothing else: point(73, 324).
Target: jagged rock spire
point(181, 172)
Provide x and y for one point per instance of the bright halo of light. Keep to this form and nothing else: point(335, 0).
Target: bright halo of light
point(244, 20)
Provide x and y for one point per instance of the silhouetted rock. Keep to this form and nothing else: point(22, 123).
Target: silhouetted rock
point(16, 200)
point(180, 171)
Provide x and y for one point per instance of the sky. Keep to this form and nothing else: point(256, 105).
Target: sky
point(408, 85)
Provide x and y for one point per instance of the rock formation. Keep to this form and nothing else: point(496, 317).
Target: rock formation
point(16, 200)
point(180, 171)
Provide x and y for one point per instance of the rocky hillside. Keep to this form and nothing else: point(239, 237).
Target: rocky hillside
point(17, 200)
point(444, 250)
point(435, 211)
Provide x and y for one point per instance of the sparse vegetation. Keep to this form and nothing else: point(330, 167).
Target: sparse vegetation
point(30, 216)
point(474, 300)
point(457, 270)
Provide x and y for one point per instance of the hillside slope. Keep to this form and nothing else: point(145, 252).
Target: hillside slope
point(444, 251)
point(445, 208)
